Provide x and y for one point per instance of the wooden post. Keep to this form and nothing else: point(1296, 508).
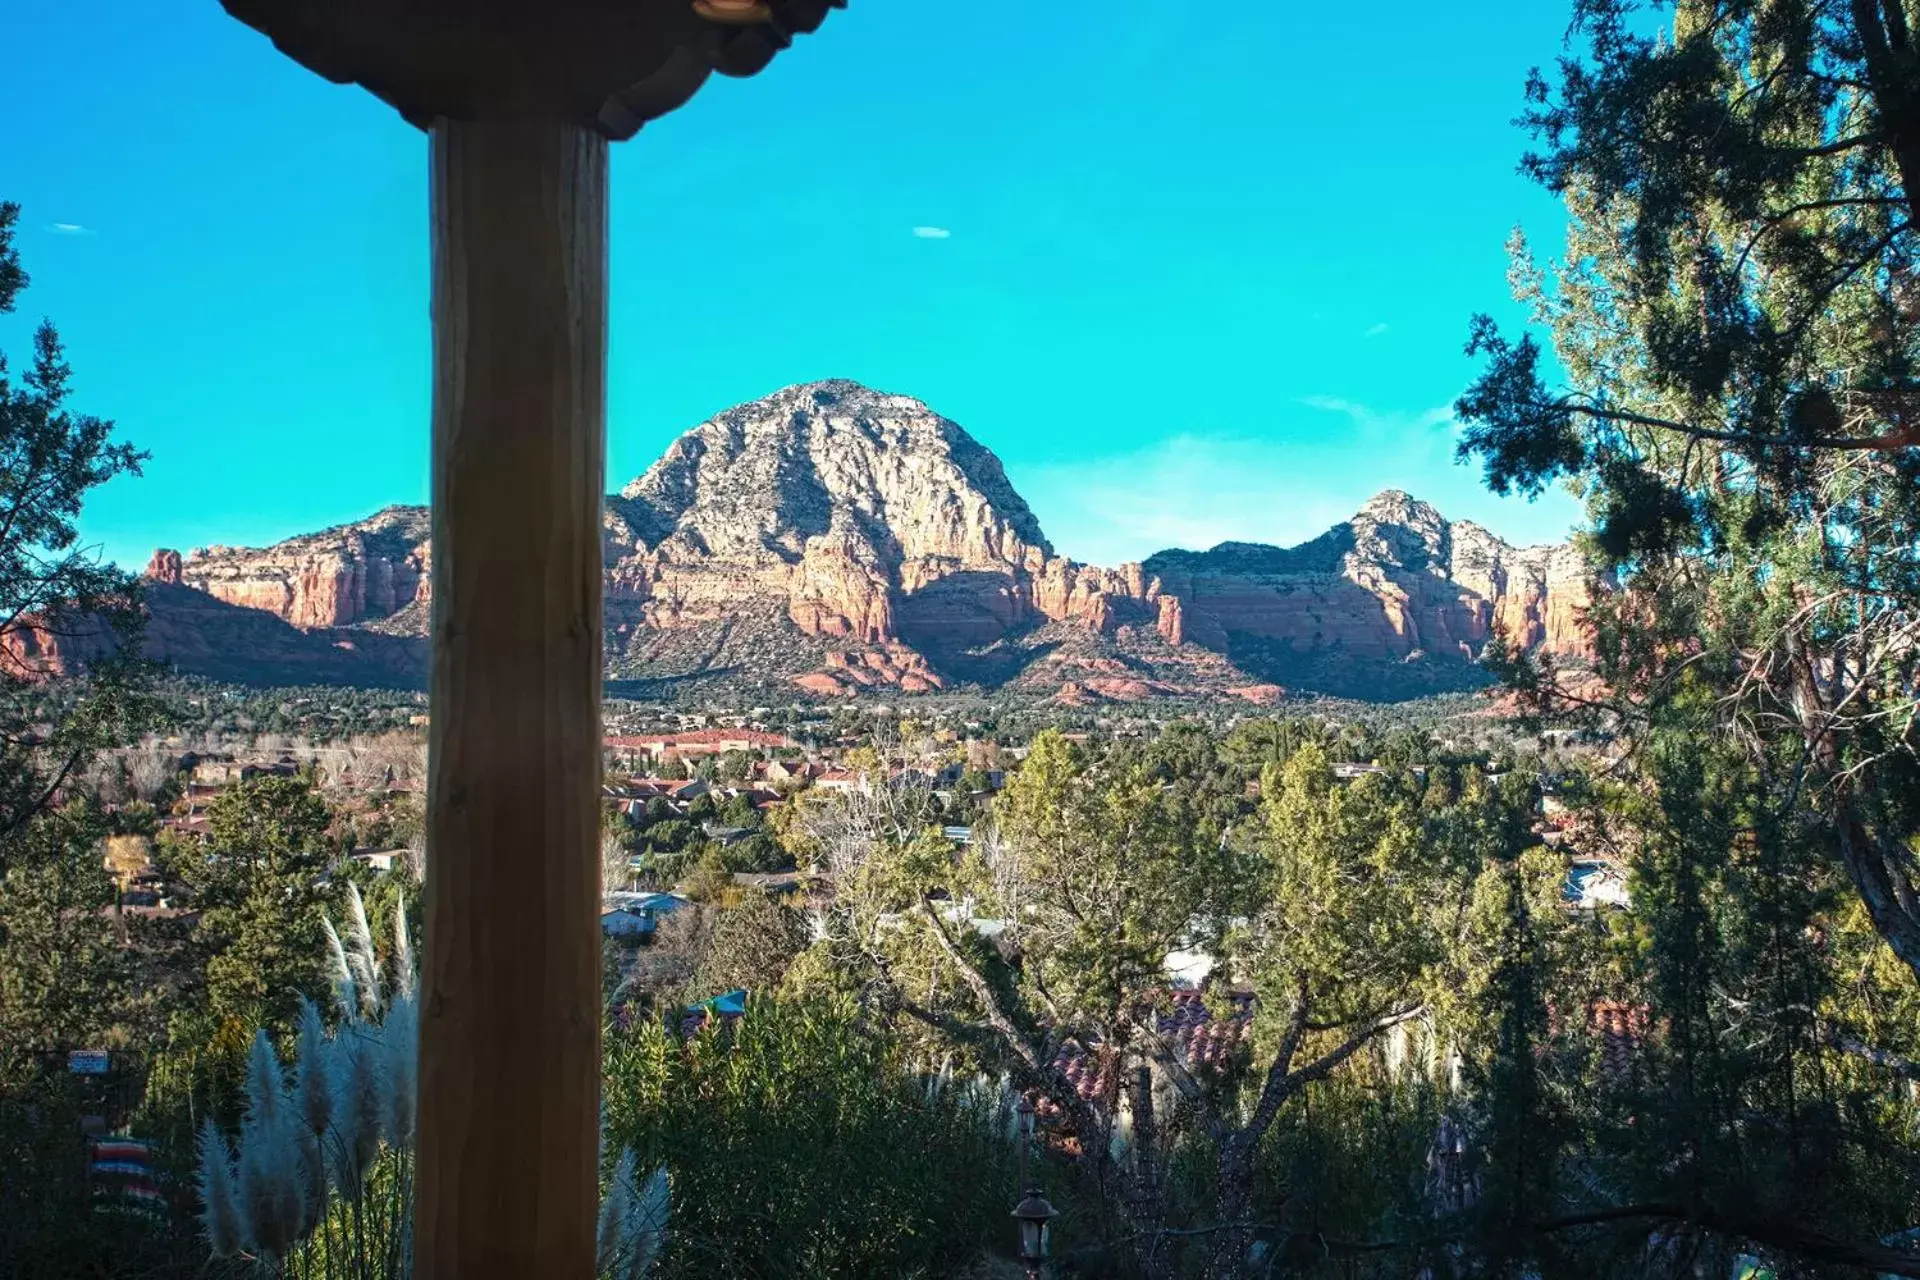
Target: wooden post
point(510, 1016)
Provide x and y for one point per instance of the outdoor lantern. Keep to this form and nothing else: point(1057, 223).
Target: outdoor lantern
point(736, 13)
point(1035, 1215)
point(1024, 1110)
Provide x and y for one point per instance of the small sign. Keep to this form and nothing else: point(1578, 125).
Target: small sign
point(87, 1062)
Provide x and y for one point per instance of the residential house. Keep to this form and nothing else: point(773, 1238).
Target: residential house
point(1592, 884)
point(688, 745)
point(382, 859)
point(772, 883)
point(726, 1008)
point(634, 916)
point(1347, 771)
point(796, 772)
point(626, 924)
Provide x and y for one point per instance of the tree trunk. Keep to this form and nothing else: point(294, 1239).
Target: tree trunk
point(1144, 1194)
point(510, 1019)
point(1227, 1259)
point(1887, 52)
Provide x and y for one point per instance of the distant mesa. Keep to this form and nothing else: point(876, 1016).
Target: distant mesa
point(830, 539)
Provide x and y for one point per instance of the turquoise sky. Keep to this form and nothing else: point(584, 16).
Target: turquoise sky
point(1195, 272)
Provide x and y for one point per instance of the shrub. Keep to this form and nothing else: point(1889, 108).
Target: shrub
point(320, 1182)
point(800, 1146)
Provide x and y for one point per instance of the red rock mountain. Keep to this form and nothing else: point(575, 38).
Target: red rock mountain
point(831, 538)
point(1397, 592)
point(372, 571)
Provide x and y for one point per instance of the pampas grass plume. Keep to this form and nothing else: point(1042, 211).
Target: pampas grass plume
point(615, 1209)
point(400, 1048)
point(360, 1109)
point(341, 972)
point(633, 1222)
point(366, 969)
point(219, 1212)
point(403, 972)
point(647, 1232)
point(313, 1086)
point(274, 1170)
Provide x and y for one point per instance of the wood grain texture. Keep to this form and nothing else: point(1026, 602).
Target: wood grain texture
point(610, 64)
point(510, 1021)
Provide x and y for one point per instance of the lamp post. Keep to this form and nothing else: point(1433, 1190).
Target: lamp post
point(1035, 1217)
point(1034, 1214)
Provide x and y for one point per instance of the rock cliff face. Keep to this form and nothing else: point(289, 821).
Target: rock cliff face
point(1398, 584)
point(339, 577)
point(869, 518)
point(834, 539)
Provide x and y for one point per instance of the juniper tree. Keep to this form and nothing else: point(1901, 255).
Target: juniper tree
point(64, 975)
point(1723, 365)
point(1736, 331)
point(259, 885)
point(1330, 903)
point(52, 588)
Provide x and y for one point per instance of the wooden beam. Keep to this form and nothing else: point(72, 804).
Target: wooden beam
point(510, 1021)
point(612, 64)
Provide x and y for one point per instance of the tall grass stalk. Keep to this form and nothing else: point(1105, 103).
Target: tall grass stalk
point(319, 1184)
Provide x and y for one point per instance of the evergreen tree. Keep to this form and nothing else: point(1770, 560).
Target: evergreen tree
point(1739, 331)
point(55, 595)
point(259, 885)
point(1730, 378)
point(64, 975)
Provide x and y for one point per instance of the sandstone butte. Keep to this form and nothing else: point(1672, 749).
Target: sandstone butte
point(838, 539)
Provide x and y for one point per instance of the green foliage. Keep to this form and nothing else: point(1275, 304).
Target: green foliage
point(1740, 346)
point(739, 812)
point(64, 975)
point(1121, 866)
point(258, 884)
point(1735, 336)
point(48, 1226)
point(709, 880)
point(51, 586)
point(668, 835)
point(13, 277)
point(751, 947)
point(735, 767)
point(798, 1145)
point(1351, 893)
point(757, 852)
point(1339, 905)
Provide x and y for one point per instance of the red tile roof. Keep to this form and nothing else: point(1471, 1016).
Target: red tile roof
point(699, 738)
point(1202, 1039)
point(1621, 1029)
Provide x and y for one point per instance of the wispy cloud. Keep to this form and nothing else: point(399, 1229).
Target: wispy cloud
point(68, 229)
point(1373, 422)
point(1308, 469)
point(1377, 330)
point(932, 233)
point(1186, 491)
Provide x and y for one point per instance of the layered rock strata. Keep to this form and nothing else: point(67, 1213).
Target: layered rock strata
point(841, 539)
